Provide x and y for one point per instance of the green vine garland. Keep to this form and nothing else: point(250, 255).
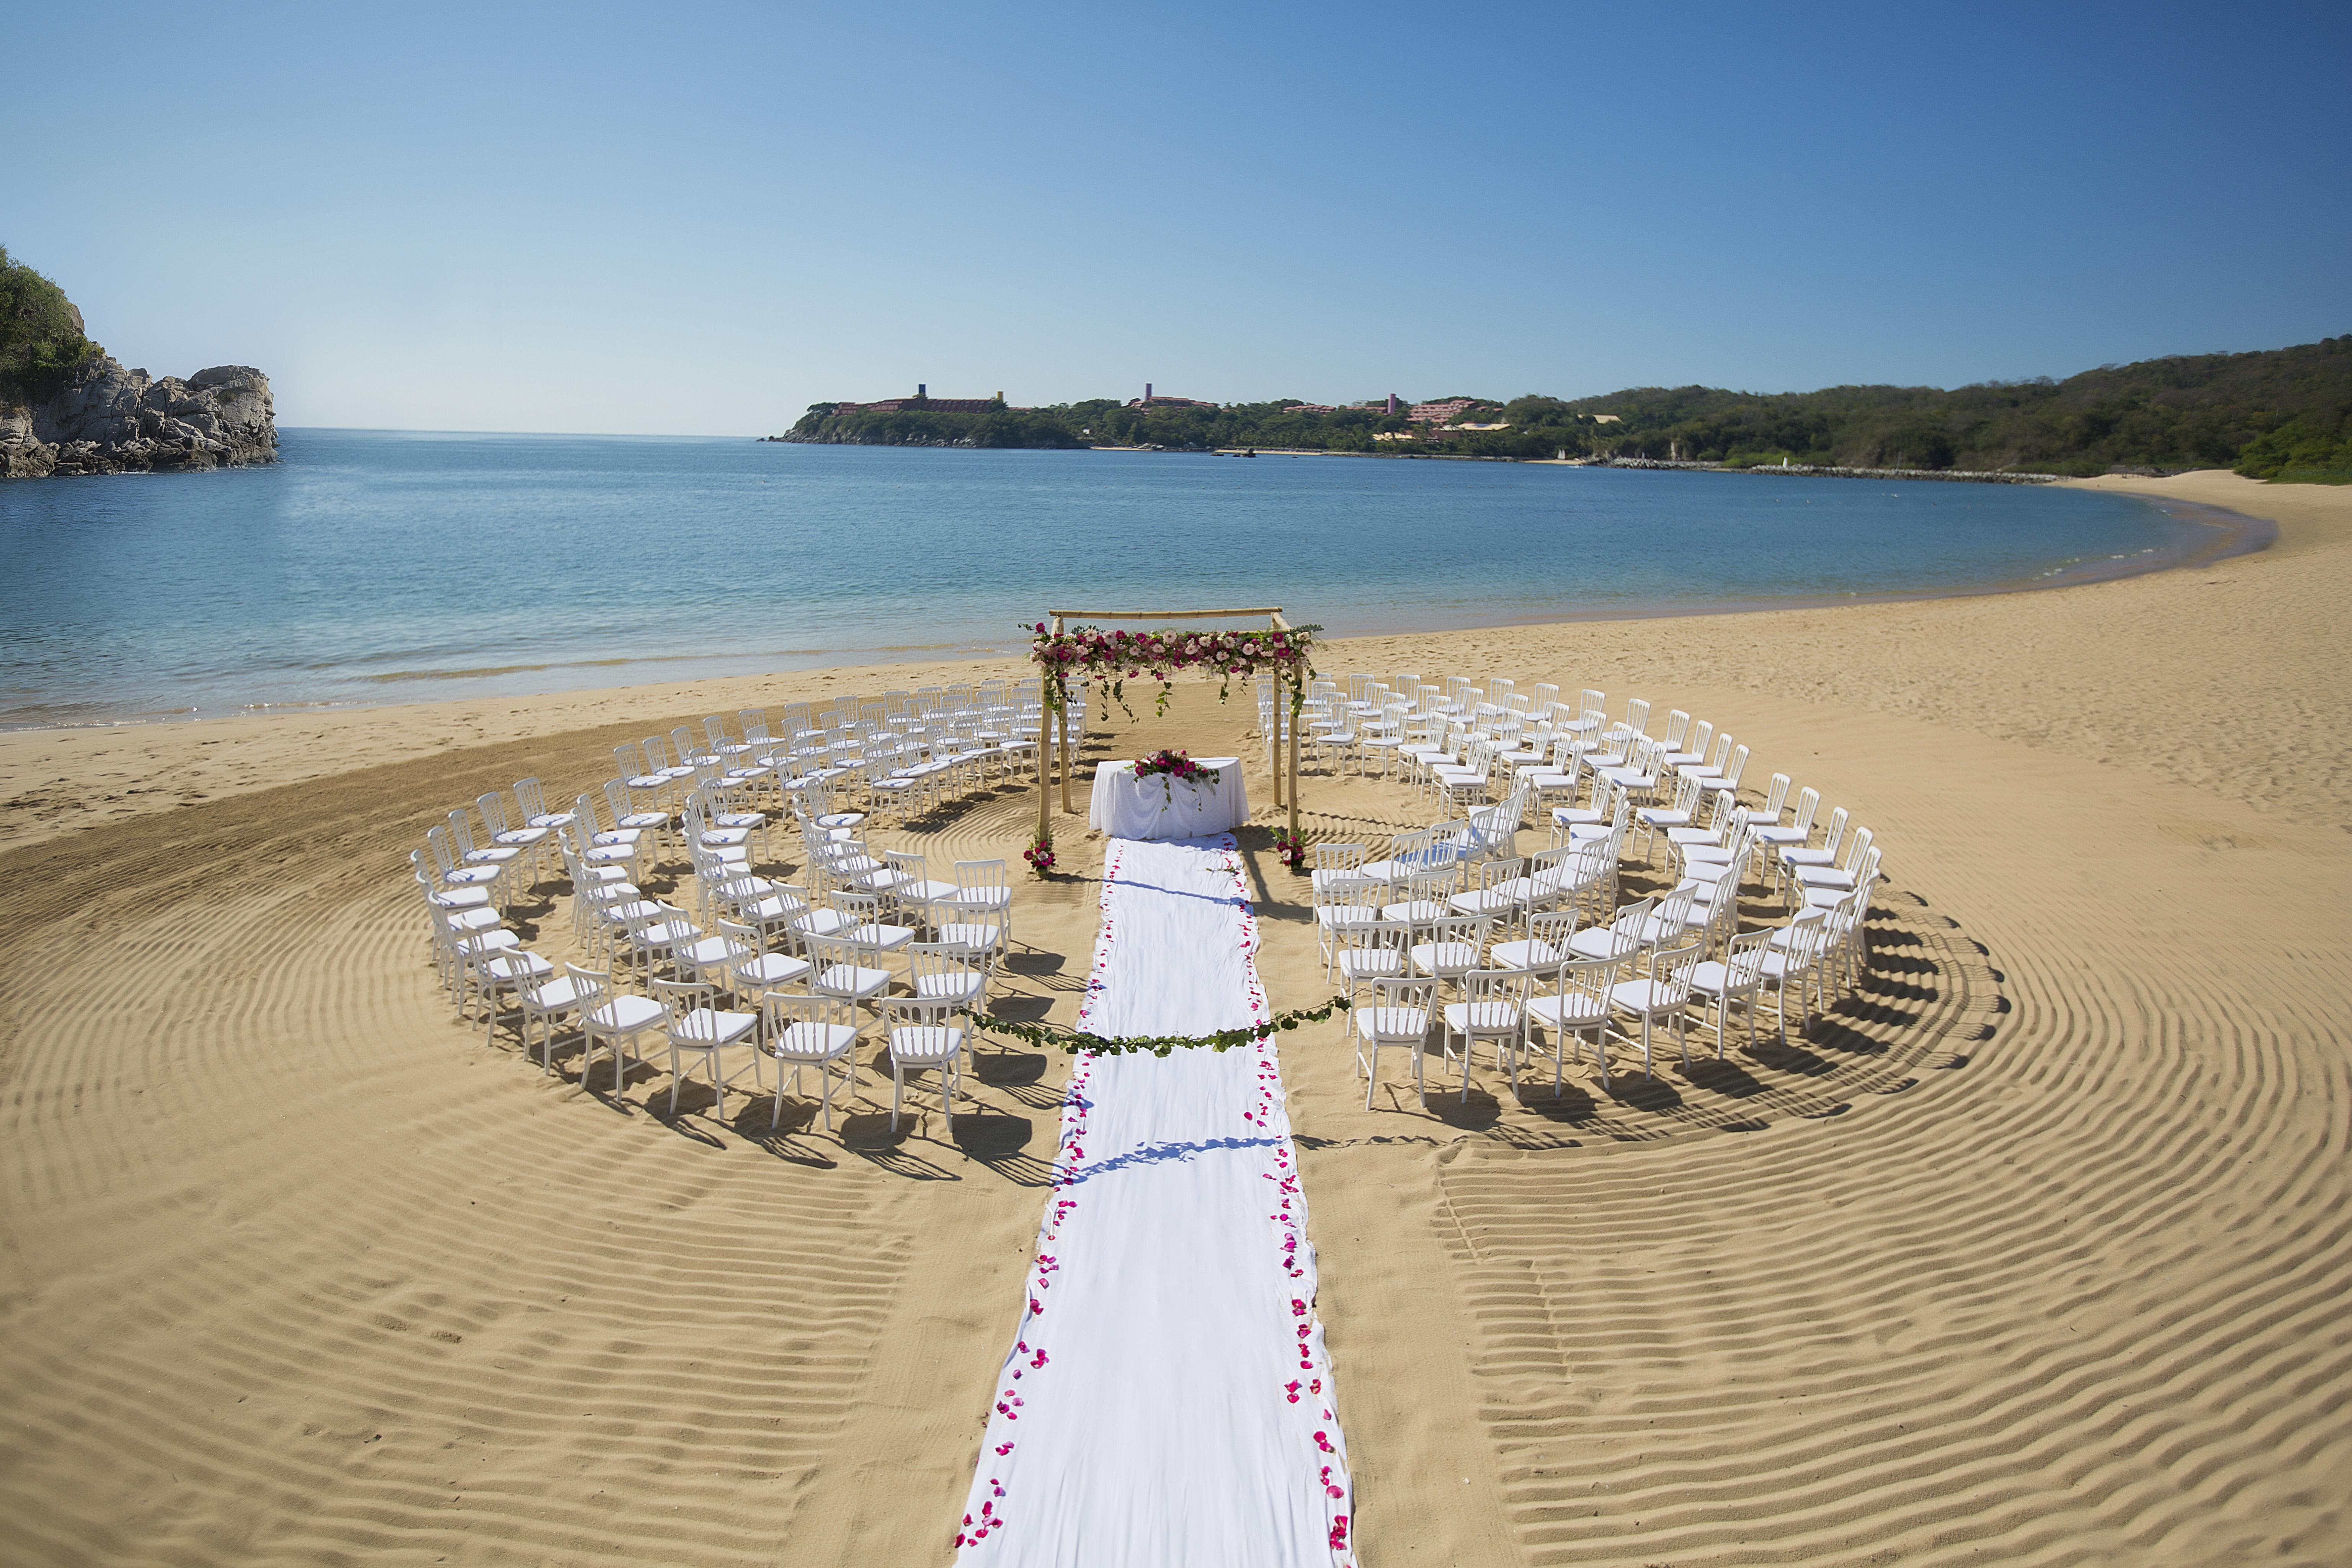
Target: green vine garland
point(1071, 1041)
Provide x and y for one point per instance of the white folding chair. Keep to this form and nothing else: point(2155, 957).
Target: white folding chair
point(1397, 1015)
point(922, 1038)
point(983, 892)
point(1369, 951)
point(490, 878)
point(698, 1030)
point(1621, 938)
point(1448, 948)
point(817, 1030)
point(759, 969)
point(1733, 981)
point(840, 973)
point(560, 997)
point(533, 798)
point(615, 1023)
point(1570, 1000)
point(1493, 1008)
point(531, 841)
point(1663, 996)
point(1543, 946)
point(517, 970)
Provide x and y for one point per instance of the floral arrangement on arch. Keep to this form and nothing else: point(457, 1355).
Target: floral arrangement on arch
point(1107, 658)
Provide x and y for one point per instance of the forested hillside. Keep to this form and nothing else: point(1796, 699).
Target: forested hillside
point(2274, 413)
point(40, 334)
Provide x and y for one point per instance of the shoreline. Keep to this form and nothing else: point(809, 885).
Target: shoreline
point(2230, 534)
point(2233, 534)
point(62, 778)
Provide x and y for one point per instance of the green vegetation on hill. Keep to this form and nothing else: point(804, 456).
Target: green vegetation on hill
point(2311, 447)
point(40, 334)
point(928, 427)
point(2274, 413)
point(2188, 412)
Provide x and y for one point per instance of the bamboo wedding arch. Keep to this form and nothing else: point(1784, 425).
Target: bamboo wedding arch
point(1056, 686)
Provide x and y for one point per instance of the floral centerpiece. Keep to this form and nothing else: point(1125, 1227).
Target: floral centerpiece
point(1171, 766)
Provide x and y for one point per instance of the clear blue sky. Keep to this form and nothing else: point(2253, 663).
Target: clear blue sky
point(702, 219)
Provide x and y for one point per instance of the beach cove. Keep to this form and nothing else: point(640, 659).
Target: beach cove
point(376, 568)
point(2037, 1258)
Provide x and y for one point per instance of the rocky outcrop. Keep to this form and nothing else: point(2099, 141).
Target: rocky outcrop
point(108, 420)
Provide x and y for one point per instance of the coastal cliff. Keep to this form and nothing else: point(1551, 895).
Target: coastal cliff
point(67, 406)
point(110, 420)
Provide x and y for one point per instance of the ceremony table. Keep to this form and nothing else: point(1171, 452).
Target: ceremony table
point(1158, 807)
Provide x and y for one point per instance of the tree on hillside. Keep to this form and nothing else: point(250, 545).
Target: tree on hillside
point(41, 336)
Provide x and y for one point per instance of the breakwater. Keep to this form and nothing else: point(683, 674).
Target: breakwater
point(1956, 476)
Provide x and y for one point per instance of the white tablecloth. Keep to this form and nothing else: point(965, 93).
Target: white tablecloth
point(1160, 807)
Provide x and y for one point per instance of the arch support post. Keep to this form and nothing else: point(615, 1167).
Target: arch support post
point(1064, 725)
point(1293, 776)
point(1280, 709)
point(1044, 769)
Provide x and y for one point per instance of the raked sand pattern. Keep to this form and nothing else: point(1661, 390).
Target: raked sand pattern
point(323, 1304)
point(2083, 1302)
point(2035, 1252)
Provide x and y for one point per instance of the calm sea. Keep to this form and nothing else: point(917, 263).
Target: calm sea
point(381, 566)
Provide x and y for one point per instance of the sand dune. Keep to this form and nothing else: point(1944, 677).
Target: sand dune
point(2032, 1252)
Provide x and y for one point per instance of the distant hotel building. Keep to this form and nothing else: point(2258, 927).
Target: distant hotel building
point(1419, 413)
point(1149, 401)
point(1384, 406)
point(1371, 405)
point(923, 401)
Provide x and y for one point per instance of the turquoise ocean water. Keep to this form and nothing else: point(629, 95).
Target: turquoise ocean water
point(381, 566)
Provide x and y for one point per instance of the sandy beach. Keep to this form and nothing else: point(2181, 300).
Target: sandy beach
point(2032, 1252)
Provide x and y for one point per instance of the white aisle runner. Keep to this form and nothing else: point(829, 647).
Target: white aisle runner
point(1168, 1401)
